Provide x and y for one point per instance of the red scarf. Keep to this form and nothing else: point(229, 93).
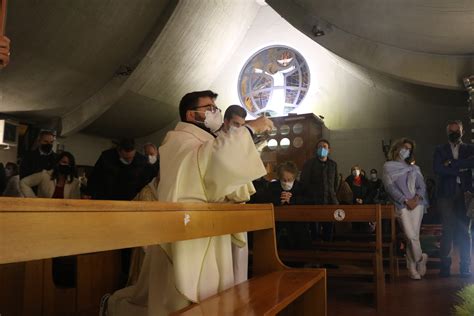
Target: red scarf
point(358, 181)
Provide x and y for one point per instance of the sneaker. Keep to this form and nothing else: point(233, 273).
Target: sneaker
point(421, 265)
point(415, 276)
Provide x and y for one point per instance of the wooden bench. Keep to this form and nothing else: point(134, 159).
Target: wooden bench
point(33, 229)
point(342, 253)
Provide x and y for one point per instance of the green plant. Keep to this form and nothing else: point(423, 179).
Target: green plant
point(466, 305)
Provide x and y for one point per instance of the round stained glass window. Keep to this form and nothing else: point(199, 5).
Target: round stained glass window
point(284, 130)
point(284, 143)
point(298, 128)
point(274, 81)
point(272, 144)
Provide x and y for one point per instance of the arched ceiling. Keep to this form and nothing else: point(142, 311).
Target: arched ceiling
point(116, 68)
point(428, 42)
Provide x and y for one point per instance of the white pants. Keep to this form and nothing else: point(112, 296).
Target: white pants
point(410, 221)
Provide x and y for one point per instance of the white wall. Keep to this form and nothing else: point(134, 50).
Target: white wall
point(85, 148)
point(8, 155)
point(360, 107)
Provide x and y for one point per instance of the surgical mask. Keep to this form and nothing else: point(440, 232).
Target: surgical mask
point(213, 120)
point(404, 153)
point(373, 176)
point(233, 129)
point(152, 159)
point(46, 148)
point(356, 173)
point(125, 162)
point(454, 137)
point(322, 152)
point(287, 186)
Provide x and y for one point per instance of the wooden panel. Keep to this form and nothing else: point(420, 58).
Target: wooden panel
point(45, 228)
point(325, 213)
point(56, 301)
point(265, 295)
point(12, 277)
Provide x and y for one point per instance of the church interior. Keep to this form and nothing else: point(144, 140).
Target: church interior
point(236, 157)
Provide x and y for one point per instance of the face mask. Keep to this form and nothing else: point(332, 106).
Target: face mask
point(373, 176)
point(213, 121)
point(356, 173)
point(287, 186)
point(322, 152)
point(8, 172)
point(64, 169)
point(46, 148)
point(152, 159)
point(404, 153)
point(125, 162)
point(233, 129)
point(454, 137)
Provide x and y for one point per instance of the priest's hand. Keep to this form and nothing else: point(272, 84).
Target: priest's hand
point(260, 125)
point(4, 51)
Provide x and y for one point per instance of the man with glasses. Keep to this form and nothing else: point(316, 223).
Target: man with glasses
point(197, 165)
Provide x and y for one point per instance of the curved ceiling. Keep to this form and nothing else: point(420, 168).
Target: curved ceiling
point(423, 41)
point(112, 68)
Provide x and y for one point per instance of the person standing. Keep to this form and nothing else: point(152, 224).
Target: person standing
point(452, 163)
point(406, 188)
point(41, 158)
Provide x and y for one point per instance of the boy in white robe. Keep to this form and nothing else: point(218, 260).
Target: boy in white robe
point(196, 166)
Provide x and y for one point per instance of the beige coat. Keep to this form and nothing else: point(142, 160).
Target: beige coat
point(46, 186)
point(195, 167)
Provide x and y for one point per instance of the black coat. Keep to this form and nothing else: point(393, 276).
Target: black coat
point(112, 180)
point(34, 161)
point(275, 190)
point(360, 192)
point(319, 181)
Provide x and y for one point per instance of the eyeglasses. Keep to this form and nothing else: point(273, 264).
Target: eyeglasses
point(211, 107)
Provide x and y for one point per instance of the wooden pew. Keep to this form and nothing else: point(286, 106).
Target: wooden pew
point(33, 229)
point(371, 253)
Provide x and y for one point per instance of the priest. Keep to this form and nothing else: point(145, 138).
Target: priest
point(197, 165)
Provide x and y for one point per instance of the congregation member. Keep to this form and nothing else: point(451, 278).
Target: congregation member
point(153, 156)
point(41, 158)
point(359, 186)
point(452, 163)
point(58, 183)
point(12, 184)
point(287, 191)
point(120, 173)
point(406, 187)
point(193, 162)
point(376, 192)
point(319, 181)
point(234, 117)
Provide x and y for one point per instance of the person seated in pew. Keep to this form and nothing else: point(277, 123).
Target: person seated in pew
point(196, 166)
point(405, 185)
point(287, 191)
point(58, 183)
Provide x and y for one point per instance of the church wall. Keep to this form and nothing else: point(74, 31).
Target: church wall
point(360, 107)
point(85, 148)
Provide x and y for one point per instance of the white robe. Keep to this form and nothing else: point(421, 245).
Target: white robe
point(195, 167)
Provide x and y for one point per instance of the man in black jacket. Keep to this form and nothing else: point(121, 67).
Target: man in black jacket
point(42, 158)
point(120, 173)
point(319, 181)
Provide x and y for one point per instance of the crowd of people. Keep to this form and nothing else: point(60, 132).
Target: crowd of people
point(198, 161)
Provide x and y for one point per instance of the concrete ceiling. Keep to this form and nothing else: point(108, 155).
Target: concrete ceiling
point(117, 67)
point(428, 42)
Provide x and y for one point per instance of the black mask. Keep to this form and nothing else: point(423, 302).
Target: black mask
point(454, 137)
point(46, 148)
point(64, 169)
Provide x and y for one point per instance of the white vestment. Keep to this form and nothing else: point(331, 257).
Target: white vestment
point(195, 167)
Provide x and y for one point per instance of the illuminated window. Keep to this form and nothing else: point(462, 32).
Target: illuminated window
point(274, 81)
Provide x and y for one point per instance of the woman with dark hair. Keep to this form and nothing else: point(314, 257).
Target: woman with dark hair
point(59, 183)
point(406, 188)
point(12, 188)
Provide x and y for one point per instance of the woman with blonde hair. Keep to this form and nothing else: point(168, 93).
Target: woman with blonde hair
point(404, 183)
